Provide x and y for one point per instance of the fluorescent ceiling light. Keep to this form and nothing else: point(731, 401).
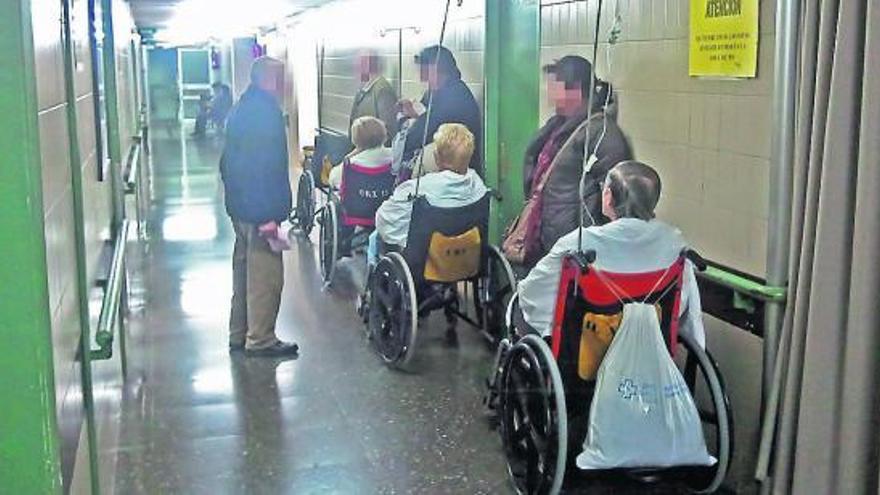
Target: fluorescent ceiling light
point(198, 21)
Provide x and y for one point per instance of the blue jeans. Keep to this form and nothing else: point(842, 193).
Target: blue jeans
point(373, 249)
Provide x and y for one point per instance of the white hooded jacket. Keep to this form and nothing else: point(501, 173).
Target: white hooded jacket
point(627, 245)
point(444, 189)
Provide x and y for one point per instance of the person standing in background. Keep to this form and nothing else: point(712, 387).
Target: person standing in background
point(451, 102)
point(555, 157)
point(376, 98)
point(256, 179)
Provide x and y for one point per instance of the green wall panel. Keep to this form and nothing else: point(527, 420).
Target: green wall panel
point(29, 451)
point(512, 78)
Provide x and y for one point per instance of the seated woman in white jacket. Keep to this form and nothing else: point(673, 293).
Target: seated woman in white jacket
point(368, 135)
point(454, 185)
point(633, 242)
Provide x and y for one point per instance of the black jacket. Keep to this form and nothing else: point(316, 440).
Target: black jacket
point(254, 165)
point(453, 103)
point(560, 204)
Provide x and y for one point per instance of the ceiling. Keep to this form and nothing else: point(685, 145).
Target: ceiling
point(158, 14)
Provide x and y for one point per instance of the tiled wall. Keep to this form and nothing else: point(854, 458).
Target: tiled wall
point(126, 87)
point(709, 139)
point(55, 135)
point(59, 225)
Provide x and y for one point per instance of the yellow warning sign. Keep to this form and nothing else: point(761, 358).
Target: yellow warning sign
point(724, 38)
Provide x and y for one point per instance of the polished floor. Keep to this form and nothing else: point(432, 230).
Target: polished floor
point(196, 420)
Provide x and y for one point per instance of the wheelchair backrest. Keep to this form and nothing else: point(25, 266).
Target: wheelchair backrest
point(362, 191)
point(447, 245)
point(329, 145)
point(589, 306)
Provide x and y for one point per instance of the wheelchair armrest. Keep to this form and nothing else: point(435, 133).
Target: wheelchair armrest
point(698, 261)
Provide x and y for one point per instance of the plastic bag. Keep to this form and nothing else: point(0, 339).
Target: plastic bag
point(279, 240)
point(642, 413)
point(397, 146)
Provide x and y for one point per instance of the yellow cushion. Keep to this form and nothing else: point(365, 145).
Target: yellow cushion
point(326, 166)
point(597, 332)
point(451, 259)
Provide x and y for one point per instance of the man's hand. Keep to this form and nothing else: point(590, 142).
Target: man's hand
point(407, 108)
point(268, 230)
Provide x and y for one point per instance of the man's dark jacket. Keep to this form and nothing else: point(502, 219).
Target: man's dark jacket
point(453, 103)
point(254, 165)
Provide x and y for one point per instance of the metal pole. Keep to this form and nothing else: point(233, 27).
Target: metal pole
point(785, 82)
point(400, 63)
point(781, 171)
point(76, 186)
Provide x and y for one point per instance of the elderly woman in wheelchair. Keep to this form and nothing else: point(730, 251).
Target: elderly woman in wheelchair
point(359, 185)
point(562, 325)
point(430, 242)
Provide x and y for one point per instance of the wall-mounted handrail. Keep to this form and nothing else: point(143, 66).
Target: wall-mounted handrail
point(743, 285)
point(110, 305)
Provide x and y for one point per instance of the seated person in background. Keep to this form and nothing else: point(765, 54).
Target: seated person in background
point(214, 109)
point(221, 104)
point(454, 185)
point(368, 136)
point(633, 242)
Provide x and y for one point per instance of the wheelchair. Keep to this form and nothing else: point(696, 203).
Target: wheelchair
point(541, 400)
point(330, 148)
point(447, 250)
point(347, 219)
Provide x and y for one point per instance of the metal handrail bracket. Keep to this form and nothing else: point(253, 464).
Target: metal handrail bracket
point(109, 318)
point(134, 158)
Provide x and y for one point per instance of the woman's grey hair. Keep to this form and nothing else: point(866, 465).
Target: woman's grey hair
point(635, 189)
point(368, 133)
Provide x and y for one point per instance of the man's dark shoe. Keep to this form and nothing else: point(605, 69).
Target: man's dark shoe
point(278, 349)
point(236, 348)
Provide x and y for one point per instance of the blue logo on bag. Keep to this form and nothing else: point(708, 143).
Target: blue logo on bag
point(629, 389)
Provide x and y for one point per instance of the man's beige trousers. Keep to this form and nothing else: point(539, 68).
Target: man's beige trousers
point(257, 281)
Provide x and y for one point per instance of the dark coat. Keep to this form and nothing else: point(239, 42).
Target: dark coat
point(559, 214)
point(453, 103)
point(379, 100)
point(254, 165)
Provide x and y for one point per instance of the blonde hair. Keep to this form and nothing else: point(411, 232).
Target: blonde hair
point(368, 133)
point(454, 146)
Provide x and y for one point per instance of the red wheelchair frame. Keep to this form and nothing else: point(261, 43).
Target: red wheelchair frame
point(541, 404)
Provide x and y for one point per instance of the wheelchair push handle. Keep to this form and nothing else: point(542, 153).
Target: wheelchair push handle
point(698, 261)
point(584, 258)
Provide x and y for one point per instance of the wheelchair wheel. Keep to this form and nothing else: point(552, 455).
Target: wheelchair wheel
point(497, 287)
point(393, 318)
point(534, 424)
point(305, 202)
point(703, 378)
point(328, 243)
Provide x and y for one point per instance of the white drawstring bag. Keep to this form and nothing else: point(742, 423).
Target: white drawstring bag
point(642, 413)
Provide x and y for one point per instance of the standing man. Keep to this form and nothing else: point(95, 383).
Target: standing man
point(451, 100)
point(256, 180)
point(376, 98)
